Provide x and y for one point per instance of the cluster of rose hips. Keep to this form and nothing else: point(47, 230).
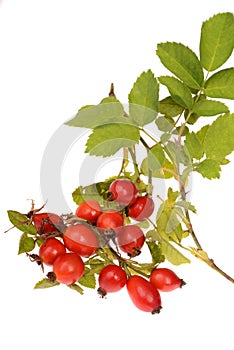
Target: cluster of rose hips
point(65, 246)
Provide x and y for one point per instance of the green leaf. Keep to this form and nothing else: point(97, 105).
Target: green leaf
point(21, 222)
point(158, 173)
point(179, 92)
point(173, 255)
point(76, 288)
point(155, 251)
point(179, 153)
point(143, 224)
point(186, 205)
point(169, 107)
point(172, 196)
point(45, 283)
point(219, 138)
point(156, 157)
point(217, 40)
point(97, 265)
point(164, 124)
point(186, 173)
point(93, 191)
point(208, 108)
point(107, 139)
point(181, 61)
point(153, 235)
point(88, 279)
point(167, 220)
point(143, 99)
point(201, 134)
point(209, 168)
point(194, 146)
point(109, 110)
point(224, 161)
point(192, 118)
point(26, 244)
point(165, 137)
point(221, 84)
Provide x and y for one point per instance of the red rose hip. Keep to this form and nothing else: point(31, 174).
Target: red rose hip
point(142, 209)
point(68, 268)
point(50, 250)
point(144, 294)
point(112, 278)
point(123, 191)
point(89, 210)
point(47, 222)
point(165, 280)
point(110, 219)
point(81, 239)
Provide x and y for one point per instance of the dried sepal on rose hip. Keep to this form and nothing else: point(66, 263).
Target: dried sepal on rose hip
point(130, 240)
point(46, 223)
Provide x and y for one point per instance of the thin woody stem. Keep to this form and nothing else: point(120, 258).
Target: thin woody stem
point(187, 215)
point(198, 254)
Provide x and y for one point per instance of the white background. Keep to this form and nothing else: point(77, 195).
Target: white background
point(56, 56)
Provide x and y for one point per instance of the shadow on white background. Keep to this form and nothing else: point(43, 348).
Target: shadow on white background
point(57, 56)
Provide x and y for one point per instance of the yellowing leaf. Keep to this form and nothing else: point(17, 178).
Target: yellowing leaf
point(219, 138)
point(173, 255)
point(209, 168)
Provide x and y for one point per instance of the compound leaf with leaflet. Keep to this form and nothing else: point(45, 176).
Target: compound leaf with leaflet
point(178, 90)
point(156, 157)
point(143, 99)
point(209, 168)
point(208, 108)
point(169, 107)
point(194, 146)
point(107, 139)
point(217, 40)
point(109, 110)
point(221, 84)
point(181, 61)
point(219, 138)
point(173, 255)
